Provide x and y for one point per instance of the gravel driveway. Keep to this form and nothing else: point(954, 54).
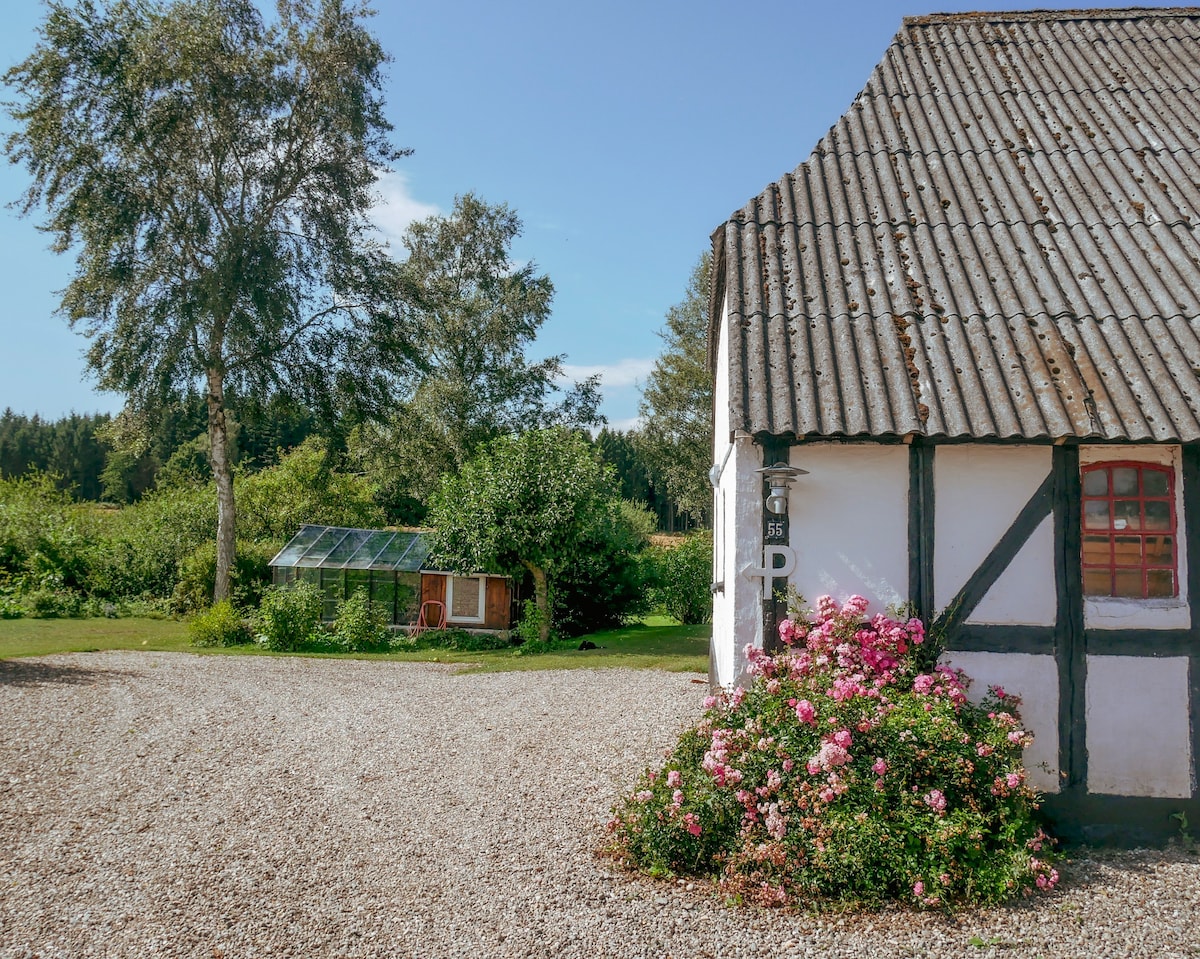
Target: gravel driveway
point(227, 807)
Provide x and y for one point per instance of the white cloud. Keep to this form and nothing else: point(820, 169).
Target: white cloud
point(397, 207)
point(629, 372)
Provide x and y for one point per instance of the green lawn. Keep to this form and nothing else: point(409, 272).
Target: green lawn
point(656, 643)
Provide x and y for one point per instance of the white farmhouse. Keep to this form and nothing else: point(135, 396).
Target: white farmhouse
point(973, 317)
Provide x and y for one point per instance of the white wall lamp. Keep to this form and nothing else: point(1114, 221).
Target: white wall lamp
point(779, 477)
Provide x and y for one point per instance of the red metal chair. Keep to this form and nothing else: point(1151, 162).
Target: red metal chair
point(438, 610)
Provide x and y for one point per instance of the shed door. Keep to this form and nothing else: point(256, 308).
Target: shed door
point(498, 601)
point(433, 586)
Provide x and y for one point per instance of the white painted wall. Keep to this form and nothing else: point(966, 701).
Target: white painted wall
point(849, 522)
point(737, 532)
point(1138, 730)
point(1035, 680)
point(1165, 613)
point(978, 492)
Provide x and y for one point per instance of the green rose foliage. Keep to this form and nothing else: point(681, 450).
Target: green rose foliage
point(844, 775)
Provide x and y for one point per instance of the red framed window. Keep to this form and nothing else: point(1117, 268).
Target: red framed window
point(1129, 538)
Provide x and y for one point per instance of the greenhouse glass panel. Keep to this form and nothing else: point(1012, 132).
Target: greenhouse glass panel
point(408, 597)
point(369, 552)
point(349, 545)
point(320, 549)
point(357, 579)
point(298, 546)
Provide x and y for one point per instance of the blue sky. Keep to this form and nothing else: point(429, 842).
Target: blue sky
point(622, 132)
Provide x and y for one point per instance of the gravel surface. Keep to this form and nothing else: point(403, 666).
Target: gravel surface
point(227, 807)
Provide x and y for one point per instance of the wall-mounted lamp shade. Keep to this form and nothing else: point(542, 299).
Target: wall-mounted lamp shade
point(779, 477)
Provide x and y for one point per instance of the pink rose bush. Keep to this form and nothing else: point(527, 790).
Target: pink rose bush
point(845, 773)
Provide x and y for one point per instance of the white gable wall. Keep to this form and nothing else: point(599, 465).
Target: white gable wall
point(737, 532)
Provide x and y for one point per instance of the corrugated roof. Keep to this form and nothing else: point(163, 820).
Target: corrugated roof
point(997, 239)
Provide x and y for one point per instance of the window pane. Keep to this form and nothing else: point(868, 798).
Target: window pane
point(1128, 583)
point(1154, 483)
point(1158, 514)
point(1095, 483)
point(1127, 514)
point(1095, 514)
point(1125, 481)
point(358, 579)
point(1096, 551)
point(1160, 582)
point(1097, 582)
point(465, 598)
point(1159, 551)
point(383, 592)
point(408, 594)
point(1127, 550)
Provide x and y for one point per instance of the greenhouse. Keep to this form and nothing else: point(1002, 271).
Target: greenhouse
point(390, 566)
point(386, 563)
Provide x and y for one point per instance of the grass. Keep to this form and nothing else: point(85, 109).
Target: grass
point(654, 643)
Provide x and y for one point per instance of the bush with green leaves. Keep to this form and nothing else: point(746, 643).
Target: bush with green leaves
point(360, 626)
point(682, 577)
point(843, 775)
point(50, 602)
point(198, 572)
point(459, 640)
point(44, 536)
point(219, 625)
point(289, 617)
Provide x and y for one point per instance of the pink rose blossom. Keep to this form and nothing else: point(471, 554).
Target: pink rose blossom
point(880, 767)
point(918, 888)
point(673, 778)
point(935, 800)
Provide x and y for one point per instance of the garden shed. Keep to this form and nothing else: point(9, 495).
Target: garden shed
point(956, 359)
point(391, 565)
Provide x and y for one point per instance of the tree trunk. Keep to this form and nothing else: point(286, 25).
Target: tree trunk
point(218, 437)
point(541, 599)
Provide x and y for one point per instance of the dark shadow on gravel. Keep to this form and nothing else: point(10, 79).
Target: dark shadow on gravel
point(35, 672)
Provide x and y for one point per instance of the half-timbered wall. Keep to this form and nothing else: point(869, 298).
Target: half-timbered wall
point(986, 541)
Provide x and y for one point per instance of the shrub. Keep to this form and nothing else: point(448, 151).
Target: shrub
point(51, 603)
point(682, 579)
point(198, 574)
point(455, 639)
point(289, 618)
point(219, 625)
point(11, 606)
point(844, 775)
point(360, 627)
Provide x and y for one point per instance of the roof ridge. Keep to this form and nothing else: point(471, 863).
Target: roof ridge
point(1011, 16)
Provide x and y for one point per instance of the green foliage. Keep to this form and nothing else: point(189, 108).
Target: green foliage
point(540, 502)
point(289, 618)
point(69, 449)
point(48, 603)
point(676, 435)
point(304, 487)
point(682, 576)
point(44, 536)
point(532, 627)
point(458, 640)
point(604, 585)
point(198, 570)
point(360, 627)
point(841, 775)
point(140, 549)
point(219, 625)
point(476, 313)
